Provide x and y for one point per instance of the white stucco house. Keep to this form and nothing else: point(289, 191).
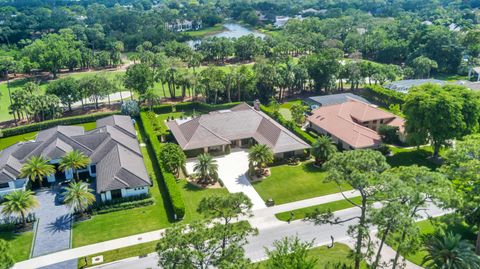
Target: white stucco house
point(116, 159)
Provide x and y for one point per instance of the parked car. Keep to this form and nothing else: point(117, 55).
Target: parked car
point(61, 195)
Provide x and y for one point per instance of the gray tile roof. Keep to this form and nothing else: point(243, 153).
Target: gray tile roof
point(240, 122)
point(333, 99)
point(111, 147)
point(405, 85)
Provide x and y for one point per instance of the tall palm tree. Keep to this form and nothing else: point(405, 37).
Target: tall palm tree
point(19, 203)
point(260, 155)
point(207, 168)
point(323, 149)
point(74, 160)
point(449, 251)
point(36, 168)
point(79, 197)
point(151, 98)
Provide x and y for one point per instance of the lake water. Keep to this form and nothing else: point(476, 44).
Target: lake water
point(232, 30)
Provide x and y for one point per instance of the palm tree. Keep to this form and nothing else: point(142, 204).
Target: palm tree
point(449, 251)
point(207, 168)
point(19, 203)
point(260, 155)
point(74, 160)
point(79, 197)
point(323, 149)
point(36, 168)
point(150, 97)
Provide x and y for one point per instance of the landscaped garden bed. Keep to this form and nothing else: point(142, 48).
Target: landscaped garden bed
point(293, 183)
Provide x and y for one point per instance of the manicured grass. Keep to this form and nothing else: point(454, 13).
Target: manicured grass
point(126, 222)
point(193, 195)
point(412, 156)
point(332, 206)
point(8, 141)
point(206, 31)
point(293, 183)
point(20, 244)
point(326, 256)
point(285, 108)
point(120, 254)
point(450, 223)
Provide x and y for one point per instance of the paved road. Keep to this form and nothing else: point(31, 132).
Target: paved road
point(231, 170)
point(255, 249)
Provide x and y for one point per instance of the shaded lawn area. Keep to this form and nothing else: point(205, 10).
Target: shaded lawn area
point(450, 223)
point(126, 222)
point(8, 141)
point(293, 183)
point(332, 206)
point(20, 244)
point(192, 195)
point(412, 156)
point(326, 256)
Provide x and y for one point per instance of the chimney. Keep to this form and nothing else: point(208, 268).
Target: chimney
point(256, 105)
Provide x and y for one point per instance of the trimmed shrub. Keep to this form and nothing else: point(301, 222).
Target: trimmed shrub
point(35, 127)
point(173, 190)
point(118, 206)
point(383, 96)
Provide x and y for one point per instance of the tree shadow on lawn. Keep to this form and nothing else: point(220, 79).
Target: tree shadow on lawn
point(311, 168)
point(412, 157)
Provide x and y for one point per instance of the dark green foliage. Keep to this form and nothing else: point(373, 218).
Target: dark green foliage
point(123, 205)
point(190, 106)
point(382, 96)
point(34, 127)
point(173, 189)
point(388, 133)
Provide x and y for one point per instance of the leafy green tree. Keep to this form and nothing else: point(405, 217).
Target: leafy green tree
point(151, 98)
point(323, 68)
point(19, 203)
point(290, 253)
point(79, 197)
point(199, 245)
point(260, 155)
point(96, 87)
point(36, 168)
point(66, 89)
point(274, 105)
point(6, 260)
point(139, 77)
point(388, 133)
point(173, 157)
point(360, 169)
point(323, 149)
point(298, 113)
point(207, 168)
point(423, 66)
point(74, 160)
point(449, 251)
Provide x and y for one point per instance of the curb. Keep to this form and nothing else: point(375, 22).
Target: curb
point(35, 230)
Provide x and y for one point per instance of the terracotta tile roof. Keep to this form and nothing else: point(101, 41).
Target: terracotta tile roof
point(340, 121)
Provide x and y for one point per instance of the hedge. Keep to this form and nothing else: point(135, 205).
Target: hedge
point(35, 127)
point(383, 96)
point(168, 108)
point(292, 127)
point(173, 189)
point(108, 208)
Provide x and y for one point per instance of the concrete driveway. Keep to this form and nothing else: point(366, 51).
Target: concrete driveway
point(231, 170)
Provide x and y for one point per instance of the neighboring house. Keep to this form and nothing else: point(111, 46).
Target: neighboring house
point(183, 25)
point(353, 124)
point(332, 99)
point(405, 85)
point(240, 126)
point(116, 159)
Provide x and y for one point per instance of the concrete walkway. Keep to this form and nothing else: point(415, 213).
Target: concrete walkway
point(114, 97)
point(231, 170)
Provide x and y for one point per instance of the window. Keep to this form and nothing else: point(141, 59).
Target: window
point(93, 168)
point(4, 185)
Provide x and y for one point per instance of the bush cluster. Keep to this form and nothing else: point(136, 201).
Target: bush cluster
point(173, 190)
point(383, 96)
point(190, 106)
point(35, 127)
point(118, 206)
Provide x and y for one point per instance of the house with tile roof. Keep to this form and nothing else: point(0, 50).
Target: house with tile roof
point(116, 159)
point(239, 126)
point(353, 124)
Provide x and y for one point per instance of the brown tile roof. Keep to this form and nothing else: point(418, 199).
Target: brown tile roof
point(339, 121)
point(240, 122)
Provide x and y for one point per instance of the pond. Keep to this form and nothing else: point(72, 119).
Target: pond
point(232, 30)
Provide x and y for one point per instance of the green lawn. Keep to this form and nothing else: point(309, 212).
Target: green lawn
point(285, 108)
point(450, 223)
point(206, 31)
point(407, 157)
point(20, 244)
point(193, 195)
point(326, 256)
point(293, 183)
point(332, 206)
point(8, 141)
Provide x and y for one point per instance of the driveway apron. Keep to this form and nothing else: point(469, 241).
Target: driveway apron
point(232, 169)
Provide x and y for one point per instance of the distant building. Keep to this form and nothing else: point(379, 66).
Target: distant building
point(184, 25)
point(404, 85)
point(280, 21)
